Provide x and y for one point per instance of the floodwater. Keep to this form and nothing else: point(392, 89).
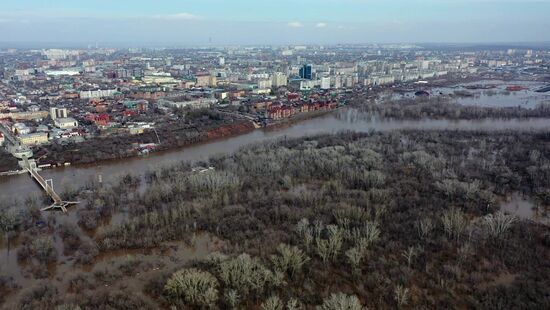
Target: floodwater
point(524, 208)
point(148, 263)
point(8, 258)
point(20, 187)
point(492, 93)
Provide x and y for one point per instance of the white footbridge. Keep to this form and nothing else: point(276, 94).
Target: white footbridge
point(47, 186)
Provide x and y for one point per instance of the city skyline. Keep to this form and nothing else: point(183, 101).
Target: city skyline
point(274, 22)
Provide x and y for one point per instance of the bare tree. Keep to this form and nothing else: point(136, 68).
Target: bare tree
point(341, 301)
point(192, 286)
point(232, 298)
point(425, 228)
point(290, 259)
point(245, 274)
point(273, 303)
point(355, 256)
point(454, 223)
point(496, 225)
point(401, 295)
point(409, 255)
point(293, 304)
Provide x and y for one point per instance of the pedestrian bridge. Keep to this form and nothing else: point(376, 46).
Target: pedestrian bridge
point(47, 186)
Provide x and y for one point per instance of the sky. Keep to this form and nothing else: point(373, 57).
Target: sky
point(253, 22)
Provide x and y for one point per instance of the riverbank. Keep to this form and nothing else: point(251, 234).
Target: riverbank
point(123, 147)
point(285, 122)
point(97, 151)
point(78, 155)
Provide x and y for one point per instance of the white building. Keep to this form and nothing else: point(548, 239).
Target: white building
point(325, 83)
point(380, 80)
point(264, 84)
point(308, 84)
point(423, 64)
point(338, 81)
point(56, 113)
point(350, 82)
point(69, 71)
point(279, 79)
point(194, 104)
point(58, 54)
point(65, 123)
point(287, 53)
point(159, 79)
point(98, 93)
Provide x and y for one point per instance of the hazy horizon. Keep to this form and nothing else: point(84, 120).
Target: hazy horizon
point(246, 22)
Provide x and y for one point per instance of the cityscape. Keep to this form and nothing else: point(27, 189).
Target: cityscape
point(274, 160)
point(54, 100)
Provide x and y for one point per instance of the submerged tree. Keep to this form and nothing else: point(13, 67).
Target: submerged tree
point(8, 222)
point(43, 249)
point(245, 274)
point(290, 259)
point(496, 225)
point(193, 287)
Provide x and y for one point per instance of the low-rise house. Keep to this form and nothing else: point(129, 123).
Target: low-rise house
point(66, 123)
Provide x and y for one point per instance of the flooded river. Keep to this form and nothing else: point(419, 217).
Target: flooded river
point(485, 93)
point(21, 186)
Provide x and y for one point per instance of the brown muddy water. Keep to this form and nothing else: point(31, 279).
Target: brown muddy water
point(107, 267)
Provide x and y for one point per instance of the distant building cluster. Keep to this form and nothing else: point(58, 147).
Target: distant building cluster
point(57, 95)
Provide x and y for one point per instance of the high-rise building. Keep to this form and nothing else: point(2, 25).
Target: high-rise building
point(305, 72)
point(56, 113)
point(264, 84)
point(279, 79)
point(221, 61)
point(338, 82)
point(206, 80)
point(325, 83)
